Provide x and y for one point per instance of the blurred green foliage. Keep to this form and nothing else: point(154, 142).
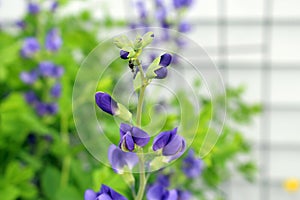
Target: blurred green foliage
point(60, 168)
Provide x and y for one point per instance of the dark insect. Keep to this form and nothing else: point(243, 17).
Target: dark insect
point(131, 65)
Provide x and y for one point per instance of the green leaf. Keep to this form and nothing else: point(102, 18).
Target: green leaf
point(50, 181)
point(137, 82)
point(9, 192)
point(67, 193)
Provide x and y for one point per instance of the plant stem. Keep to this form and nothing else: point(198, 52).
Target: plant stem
point(67, 159)
point(143, 181)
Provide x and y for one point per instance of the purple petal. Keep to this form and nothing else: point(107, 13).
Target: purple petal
point(41, 108)
point(104, 197)
point(174, 146)
point(116, 158)
point(124, 128)
point(128, 140)
point(172, 195)
point(52, 108)
point(131, 159)
point(31, 97)
point(111, 193)
point(162, 139)
point(30, 47)
point(106, 103)
point(165, 60)
point(183, 195)
point(124, 54)
point(53, 40)
point(29, 77)
point(90, 195)
point(161, 73)
point(33, 8)
point(140, 137)
point(184, 27)
point(155, 192)
point(56, 90)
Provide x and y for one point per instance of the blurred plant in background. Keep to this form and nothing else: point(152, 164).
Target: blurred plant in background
point(40, 153)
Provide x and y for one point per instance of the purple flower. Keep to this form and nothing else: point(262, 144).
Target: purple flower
point(178, 4)
point(56, 90)
point(46, 108)
point(29, 77)
point(131, 135)
point(124, 54)
point(33, 8)
point(54, 6)
point(53, 40)
point(105, 193)
point(30, 47)
point(119, 159)
point(21, 24)
point(183, 195)
point(48, 68)
point(31, 97)
point(159, 192)
point(106, 103)
point(184, 27)
point(163, 180)
point(172, 144)
point(142, 9)
point(164, 62)
point(192, 166)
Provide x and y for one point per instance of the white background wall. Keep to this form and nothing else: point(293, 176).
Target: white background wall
point(276, 134)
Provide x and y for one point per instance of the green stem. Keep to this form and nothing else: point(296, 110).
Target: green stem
point(143, 180)
point(67, 159)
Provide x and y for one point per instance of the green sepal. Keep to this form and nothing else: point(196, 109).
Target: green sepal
point(122, 42)
point(123, 113)
point(137, 82)
point(130, 50)
point(138, 43)
point(152, 68)
point(128, 177)
point(147, 39)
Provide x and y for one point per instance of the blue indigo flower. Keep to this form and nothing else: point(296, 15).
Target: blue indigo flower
point(109, 105)
point(165, 61)
point(183, 195)
point(120, 159)
point(31, 98)
point(159, 192)
point(54, 6)
point(53, 40)
point(172, 144)
point(178, 4)
point(184, 27)
point(106, 103)
point(29, 77)
point(33, 8)
point(124, 54)
point(105, 193)
point(21, 24)
point(131, 136)
point(192, 166)
point(163, 180)
point(46, 108)
point(30, 47)
point(56, 90)
point(142, 9)
point(52, 108)
point(49, 69)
